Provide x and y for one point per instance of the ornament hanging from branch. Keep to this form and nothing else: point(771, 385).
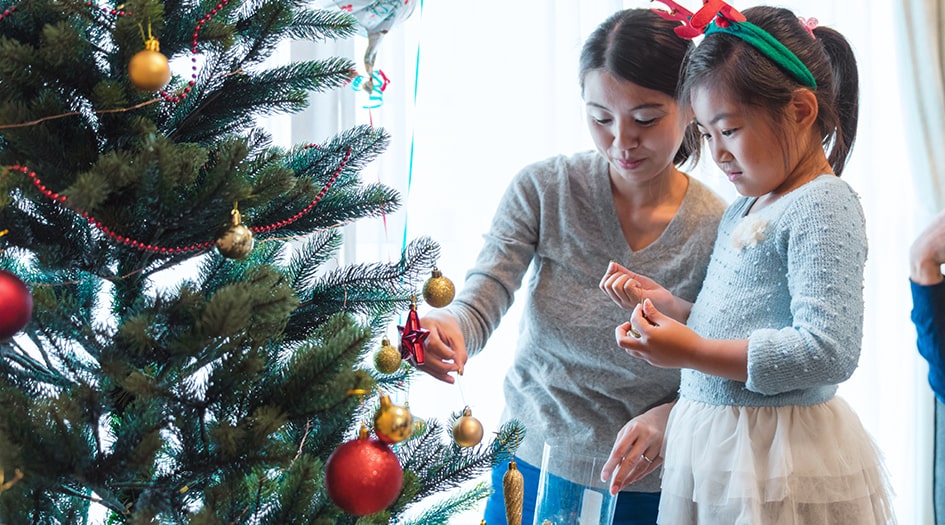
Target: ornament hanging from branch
point(387, 359)
point(392, 423)
point(413, 336)
point(438, 291)
point(148, 69)
point(363, 476)
point(236, 241)
point(513, 492)
point(16, 305)
point(467, 431)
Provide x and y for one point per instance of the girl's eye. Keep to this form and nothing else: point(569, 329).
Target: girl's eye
point(728, 132)
point(645, 122)
point(602, 120)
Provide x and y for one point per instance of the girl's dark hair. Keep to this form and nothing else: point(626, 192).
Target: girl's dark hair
point(639, 46)
point(731, 65)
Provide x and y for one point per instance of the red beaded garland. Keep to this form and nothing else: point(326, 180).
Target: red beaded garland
point(133, 243)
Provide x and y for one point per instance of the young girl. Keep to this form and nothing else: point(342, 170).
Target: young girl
point(758, 435)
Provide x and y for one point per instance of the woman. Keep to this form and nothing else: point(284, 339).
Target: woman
point(567, 217)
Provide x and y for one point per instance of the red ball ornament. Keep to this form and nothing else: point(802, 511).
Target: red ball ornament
point(363, 476)
point(16, 304)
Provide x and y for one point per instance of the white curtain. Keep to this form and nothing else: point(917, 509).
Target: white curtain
point(920, 31)
point(920, 44)
point(495, 88)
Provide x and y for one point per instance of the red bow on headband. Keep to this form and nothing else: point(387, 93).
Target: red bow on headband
point(694, 24)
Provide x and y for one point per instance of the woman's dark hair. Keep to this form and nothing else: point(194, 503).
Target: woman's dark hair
point(729, 64)
point(639, 46)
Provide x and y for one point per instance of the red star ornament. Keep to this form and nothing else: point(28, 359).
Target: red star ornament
point(412, 337)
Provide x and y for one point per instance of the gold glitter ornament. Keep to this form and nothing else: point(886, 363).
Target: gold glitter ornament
point(467, 431)
point(438, 291)
point(392, 423)
point(419, 427)
point(387, 359)
point(513, 490)
point(148, 69)
point(237, 240)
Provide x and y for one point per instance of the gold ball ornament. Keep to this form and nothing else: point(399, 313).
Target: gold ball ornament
point(387, 359)
point(467, 431)
point(438, 291)
point(237, 240)
point(419, 428)
point(148, 70)
point(392, 423)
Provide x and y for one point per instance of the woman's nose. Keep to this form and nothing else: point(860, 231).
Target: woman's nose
point(626, 137)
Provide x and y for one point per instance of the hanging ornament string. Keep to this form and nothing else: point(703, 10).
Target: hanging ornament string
point(413, 132)
point(138, 245)
point(416, 78)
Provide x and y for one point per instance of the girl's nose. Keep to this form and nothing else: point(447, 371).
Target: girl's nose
point(720, 154)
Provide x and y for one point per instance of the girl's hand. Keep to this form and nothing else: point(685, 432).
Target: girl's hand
point(664, 342)
point(658, 339)
point(629, 289)
point(636, 451)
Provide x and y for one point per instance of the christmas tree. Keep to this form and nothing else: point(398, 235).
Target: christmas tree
point(178, 343)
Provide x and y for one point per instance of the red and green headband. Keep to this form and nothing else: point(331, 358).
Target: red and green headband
point(716, 16)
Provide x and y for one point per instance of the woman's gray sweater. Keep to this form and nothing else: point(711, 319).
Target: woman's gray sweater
point(570, 384)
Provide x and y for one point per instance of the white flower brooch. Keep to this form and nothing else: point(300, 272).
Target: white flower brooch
point(749, 232)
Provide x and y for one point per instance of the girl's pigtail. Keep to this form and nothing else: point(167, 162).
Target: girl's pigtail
point(846, 87)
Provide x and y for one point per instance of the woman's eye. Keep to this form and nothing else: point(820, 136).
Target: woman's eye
point(602, 120)
point(728, 132)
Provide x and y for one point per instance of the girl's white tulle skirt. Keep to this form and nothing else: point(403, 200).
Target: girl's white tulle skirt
point(787, 465)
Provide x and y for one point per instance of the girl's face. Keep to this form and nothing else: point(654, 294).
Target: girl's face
point(746, 144)
point(637, 130)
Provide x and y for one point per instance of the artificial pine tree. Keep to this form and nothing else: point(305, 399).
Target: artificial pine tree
point(171, 371)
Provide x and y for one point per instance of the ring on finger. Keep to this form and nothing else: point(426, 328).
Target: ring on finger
point(632, 332)
point(644, 458)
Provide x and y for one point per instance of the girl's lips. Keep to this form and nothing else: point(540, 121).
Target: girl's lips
point(733, 175)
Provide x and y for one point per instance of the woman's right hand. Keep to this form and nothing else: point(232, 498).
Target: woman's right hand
point(444, 348)
point(628, 289)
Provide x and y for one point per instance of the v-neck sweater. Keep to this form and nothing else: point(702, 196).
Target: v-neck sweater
point(570, 384)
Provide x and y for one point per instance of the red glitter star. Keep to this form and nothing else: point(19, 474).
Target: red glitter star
point(412, 337)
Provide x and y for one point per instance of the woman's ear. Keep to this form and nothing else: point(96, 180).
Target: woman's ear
point(803, 107)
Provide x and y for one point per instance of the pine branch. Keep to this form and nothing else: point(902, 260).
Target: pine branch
point(442, 511)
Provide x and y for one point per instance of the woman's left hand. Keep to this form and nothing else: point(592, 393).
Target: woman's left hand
point(636, 451)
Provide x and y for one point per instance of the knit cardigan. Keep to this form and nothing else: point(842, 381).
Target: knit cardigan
point(789, 279)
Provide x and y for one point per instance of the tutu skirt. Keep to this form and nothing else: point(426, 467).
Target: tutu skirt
point(783, 465)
